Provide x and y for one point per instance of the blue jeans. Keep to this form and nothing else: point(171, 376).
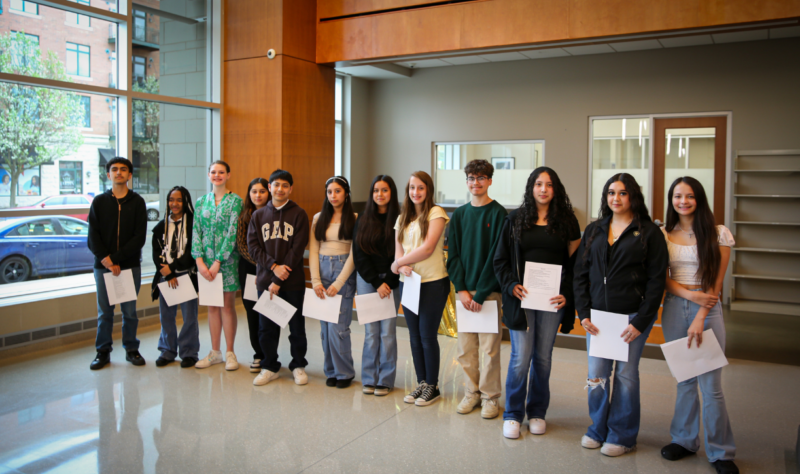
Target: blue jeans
point(336, 337)
point(616, 419)
point(676, 318)
point(188, 342)
point(423, 329)
point(379, 359)
point(531, 352)
point(105, 315)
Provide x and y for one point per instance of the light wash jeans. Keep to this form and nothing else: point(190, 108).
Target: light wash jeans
point(336, 337)
point(676, 318)
point(379, 358)
point(105, 315)
point(188, 342)
point(616, 419)
point(531, 353)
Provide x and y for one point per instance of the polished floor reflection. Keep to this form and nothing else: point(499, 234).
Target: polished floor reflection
point(57, 416)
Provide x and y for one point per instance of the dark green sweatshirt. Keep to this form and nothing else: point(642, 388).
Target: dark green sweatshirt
point(472, 241)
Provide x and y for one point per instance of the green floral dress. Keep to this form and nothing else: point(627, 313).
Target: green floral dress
point(214, 235)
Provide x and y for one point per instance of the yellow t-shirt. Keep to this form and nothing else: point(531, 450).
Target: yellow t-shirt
point(432, 268)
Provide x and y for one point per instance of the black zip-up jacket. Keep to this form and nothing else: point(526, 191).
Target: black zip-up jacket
point(181, 264)
point(117, 228)
point(369, 266)
point(628, 278)
point(278, 236)
point(509, 268)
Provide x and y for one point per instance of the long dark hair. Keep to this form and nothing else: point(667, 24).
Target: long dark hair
point(705, 230)
point(348, 216)
point(371, 233)
point(248, 208)
point(560, 215)
point(409, 212)
point(638, 208)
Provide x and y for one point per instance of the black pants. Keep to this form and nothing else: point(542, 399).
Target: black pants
point(423, 329)
point(253, 316)
point(269, 334)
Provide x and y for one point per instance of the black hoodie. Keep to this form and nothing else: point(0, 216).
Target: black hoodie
point(278, 236)
point(117, 228)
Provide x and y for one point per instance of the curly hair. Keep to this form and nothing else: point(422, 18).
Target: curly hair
point(479, 168)
point(560, 215)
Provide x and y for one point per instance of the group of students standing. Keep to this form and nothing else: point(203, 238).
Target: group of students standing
point(622, 264)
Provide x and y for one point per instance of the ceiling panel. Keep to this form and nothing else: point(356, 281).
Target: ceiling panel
point(787, 32)
point(681, 41)
point(461, 60)
point(636, 45)
point(589, 49)
point(545, 53)
point(498, 57)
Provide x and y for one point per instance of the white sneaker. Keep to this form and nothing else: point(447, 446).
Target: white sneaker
point(511, 429)
point(231, 363)
point(614, 450)
point(590, 443)
point(213, 357)
point(300, 376)
point(264, 377)
point(490, 409)
point(468, 403)
point(537, 426)
point(255, 367)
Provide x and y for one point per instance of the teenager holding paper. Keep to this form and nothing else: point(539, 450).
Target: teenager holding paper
point(172, 256)
point(474, 232)
point(543, 230)
point(698, 258)
point(373, 254)
point(214, 250)
point(256, 198)
point(621, 268)
point(117, 233)
point(276, 240)
point(330, 262)
point(419, 235)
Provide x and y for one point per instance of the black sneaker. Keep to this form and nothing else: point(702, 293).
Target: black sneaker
point(725, 467)
point(100, 361)
point(161, 362)
point(674, 452)
point(344, 383)
point(412, 397)
point(188, 362)
point(135, 358)
point(429, 395)
point(331, 382)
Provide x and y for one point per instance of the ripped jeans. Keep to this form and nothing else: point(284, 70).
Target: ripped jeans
point(615, 419)
point(336, 337)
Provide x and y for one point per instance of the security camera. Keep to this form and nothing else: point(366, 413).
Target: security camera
point(411, 65)
point(271, 54)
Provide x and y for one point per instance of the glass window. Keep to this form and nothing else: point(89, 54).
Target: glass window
point(37, 227)
point(23, 6)
point(21, 47)
point(140, 26)
point(139, 71)
point(619, 146)
point(73, 226)
point(78, 19)
point(86, 102)
point(78, 61)
point(338, 143)
point(690, 151)
point(70, 182)
point(513, 162)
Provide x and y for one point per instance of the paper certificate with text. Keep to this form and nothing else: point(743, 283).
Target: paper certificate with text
point(121, 288)
point(543, 282)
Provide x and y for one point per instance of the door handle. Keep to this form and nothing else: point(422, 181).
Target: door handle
point(32, 245)
point(73, 245)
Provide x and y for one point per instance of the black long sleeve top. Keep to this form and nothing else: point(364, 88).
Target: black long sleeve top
point(370, 266)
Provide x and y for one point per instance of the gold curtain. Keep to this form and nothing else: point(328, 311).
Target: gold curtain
point(449, 326)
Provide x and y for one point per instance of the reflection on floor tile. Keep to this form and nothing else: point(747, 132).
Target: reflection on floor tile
point(57, 416)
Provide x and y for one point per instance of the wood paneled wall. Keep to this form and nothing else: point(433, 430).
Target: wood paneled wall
point(279, 113)
point(493, 23)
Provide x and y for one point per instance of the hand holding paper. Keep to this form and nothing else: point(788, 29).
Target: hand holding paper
point(120, 289)
point(608, 344)
point(323, 309)
point(542, 282)
point(250, 290)
point(276, 309)
point(687, 362)
point(411, 288)
point(183, 293)
point(371, 308)
point(211, 291)
point(484, 321)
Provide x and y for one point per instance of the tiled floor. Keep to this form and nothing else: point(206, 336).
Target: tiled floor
point(58, 416)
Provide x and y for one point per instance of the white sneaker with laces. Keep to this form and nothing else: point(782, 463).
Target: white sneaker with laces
point(468, 403)
point(300, 376)
point(213, 357)
point(231, 363)
point(511, 429)
point(264, 377)
point(537, 426)
point(614, 450)
point(490, 409)
point(590, 443)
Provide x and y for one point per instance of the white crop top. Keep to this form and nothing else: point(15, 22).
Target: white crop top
point(683, 260)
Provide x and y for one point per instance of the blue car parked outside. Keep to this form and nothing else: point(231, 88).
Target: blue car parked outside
point(43, 246)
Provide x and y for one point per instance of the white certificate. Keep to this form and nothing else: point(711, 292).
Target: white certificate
point(250, 290)
point(608, 343)
point(275, 309)
point(685, 362)
point(484, 321)
point(410, 298)
point(323, 309)
point(543, 282)
point(210, 291)
point(120, 288)
point(183, 293)
point(371, 308)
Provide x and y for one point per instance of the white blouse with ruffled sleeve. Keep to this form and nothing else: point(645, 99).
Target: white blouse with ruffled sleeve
point(683, 259)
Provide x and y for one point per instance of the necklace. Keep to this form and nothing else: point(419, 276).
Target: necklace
point(614, 235)
point(687, 233)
